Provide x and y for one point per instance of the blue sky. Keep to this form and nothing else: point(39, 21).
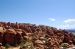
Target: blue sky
point(56, 13)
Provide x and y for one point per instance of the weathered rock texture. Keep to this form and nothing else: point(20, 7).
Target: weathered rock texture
point(42, 37)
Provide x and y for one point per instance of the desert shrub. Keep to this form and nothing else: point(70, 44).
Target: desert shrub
point(7, 46)
point(65, 45)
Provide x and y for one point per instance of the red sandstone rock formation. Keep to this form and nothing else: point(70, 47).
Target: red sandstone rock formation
point(49, 36)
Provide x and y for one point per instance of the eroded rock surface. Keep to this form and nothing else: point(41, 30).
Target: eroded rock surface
point(41, 37)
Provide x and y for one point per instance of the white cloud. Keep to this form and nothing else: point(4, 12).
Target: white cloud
point(63, 26)
point(69, 21)
point(68, 24)
point(52, 19)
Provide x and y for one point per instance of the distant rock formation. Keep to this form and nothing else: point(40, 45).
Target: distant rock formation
point(43, 37)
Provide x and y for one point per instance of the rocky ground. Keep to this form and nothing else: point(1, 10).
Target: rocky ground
point(31, 36)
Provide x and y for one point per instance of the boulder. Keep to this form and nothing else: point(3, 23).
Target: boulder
point(9, 37)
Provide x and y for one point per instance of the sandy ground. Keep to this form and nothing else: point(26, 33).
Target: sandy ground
point(18, 47)
point(68, 48)
point(14, 47)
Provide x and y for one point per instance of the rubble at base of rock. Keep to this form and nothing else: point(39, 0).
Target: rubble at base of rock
point(37, 37)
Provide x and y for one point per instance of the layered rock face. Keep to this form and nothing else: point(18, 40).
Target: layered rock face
point(42, 37)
